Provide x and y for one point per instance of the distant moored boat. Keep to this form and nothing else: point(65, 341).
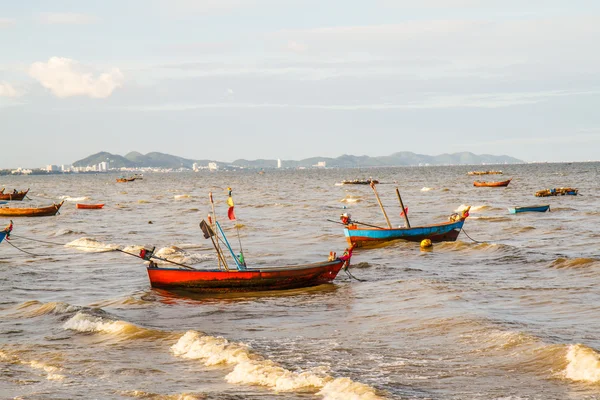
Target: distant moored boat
point(491, 184)
point(89, 206)
point(538, 208)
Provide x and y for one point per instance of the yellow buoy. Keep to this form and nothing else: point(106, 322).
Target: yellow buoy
point(426, 243)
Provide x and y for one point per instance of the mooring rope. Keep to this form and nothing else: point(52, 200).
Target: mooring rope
point(347, 270)
point(471, 237)
point(103, 250)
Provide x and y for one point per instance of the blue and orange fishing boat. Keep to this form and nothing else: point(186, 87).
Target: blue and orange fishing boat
point(6, 231)
point(372, 235)
point(242, 278)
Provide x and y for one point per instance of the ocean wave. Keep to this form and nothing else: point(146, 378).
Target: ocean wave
point(473, 208)
point(64, 232)
point(156, 396)
point(51, 371)
point(580, 262)
point(179, 255)
point(350, 199)
point(182, 196)
point(583, 364)
point(34, 308)
point(69, 198)
point(490, 218)
point(426, 189)
point(91, 245)
point(84, 322)
point(250, 368)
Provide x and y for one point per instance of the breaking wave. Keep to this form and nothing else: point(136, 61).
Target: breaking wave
point(426, 189)
point(473, 208)
point(91, 245)
point(84, 322)
point(179, 255)
point(563, 262)
point(50, 370)
point(156, 396)
point(36, 308)
point(583, 364)
point(182, 196)
point(350, 199)
point(69, 198)
point(250, 368)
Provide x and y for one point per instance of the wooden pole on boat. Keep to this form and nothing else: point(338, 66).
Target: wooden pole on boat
point(403, 209)
point(220, 255)
point(380, 205)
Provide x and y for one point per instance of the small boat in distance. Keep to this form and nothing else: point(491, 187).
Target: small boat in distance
point(89, 206)
point(484, 173)
point(14, 196)
point(538, 208)
point(31, 212)
point(557, 192)
point(492, 184)
point(125, 179)
point(359, 182)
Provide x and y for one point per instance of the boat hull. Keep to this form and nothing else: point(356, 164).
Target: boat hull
point(14, 196)
point(491, 184)
point(89, 206)
point(30, 212)
point(249, 280)
point(2, 236)
point(446, 232)
point(540, 208)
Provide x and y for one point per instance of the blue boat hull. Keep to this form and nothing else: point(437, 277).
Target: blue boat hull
point(445, 232)
point(542, 208)
point(2, 236)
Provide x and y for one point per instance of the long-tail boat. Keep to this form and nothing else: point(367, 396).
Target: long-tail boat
point(14, 196)
point(30, 212)
point(242, 278)
point(492, 184)
point(89, 206)
point(359, 182)
point(371, 235)
point(538, 208)
point(484, 173)
point(6, 231)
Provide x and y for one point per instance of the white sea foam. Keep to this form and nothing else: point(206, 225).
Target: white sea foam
point(473, 208)
point(91, 245)
point(583, 364)
point(50, 370)
point(83, 322)
point(181, 196)
point(69, 198)
point(179, 255)
point(426, 189)
point(250, 368)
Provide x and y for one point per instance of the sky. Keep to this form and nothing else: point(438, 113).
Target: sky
point(291, 79)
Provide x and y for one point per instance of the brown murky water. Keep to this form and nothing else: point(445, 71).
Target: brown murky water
point(513, 317)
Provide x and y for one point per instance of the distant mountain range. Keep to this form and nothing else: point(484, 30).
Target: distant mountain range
point(403, 158)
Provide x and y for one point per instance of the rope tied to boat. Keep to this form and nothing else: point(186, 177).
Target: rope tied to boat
point(475, 241)
point(106, 250)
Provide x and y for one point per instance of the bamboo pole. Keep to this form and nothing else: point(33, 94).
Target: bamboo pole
point(403, 209)
point(220, 255)
point(380, 205)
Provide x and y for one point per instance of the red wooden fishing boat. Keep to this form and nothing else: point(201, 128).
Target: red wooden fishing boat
point(248, 280)
point(243, 278)
point(30, 212)
point(14, 196)
point(492, 184)
point(89, 206)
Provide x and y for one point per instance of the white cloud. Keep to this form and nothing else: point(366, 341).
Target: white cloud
point(296, 46)
point(66, 78)
point(6, 23)
point(66, 19)
point(7, 90)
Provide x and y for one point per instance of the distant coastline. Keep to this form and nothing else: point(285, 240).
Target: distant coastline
point(136, 160)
